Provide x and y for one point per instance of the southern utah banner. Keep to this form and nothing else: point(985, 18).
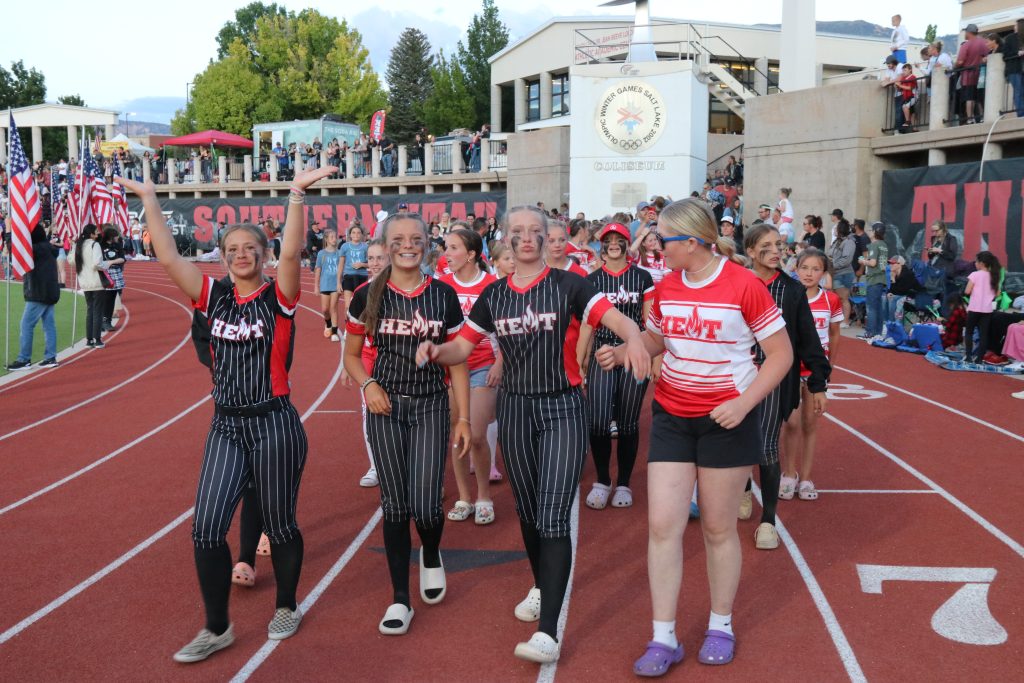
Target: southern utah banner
point(194, 220)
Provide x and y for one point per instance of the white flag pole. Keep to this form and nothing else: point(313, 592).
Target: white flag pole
point(7, 270)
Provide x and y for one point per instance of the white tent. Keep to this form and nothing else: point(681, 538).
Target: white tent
point(133, 146)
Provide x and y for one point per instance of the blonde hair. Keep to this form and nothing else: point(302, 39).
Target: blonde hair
point(692, 217)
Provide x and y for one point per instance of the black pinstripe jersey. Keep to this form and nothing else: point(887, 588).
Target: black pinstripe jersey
point(537, 328)
point(250, 341)
point(431, 312)
point(627, 289)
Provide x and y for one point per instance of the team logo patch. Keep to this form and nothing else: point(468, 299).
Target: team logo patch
point(528, 323)
point(621, 296)
point(693, 326)
point(630, 117)
point(419, 326)
point(243, 331)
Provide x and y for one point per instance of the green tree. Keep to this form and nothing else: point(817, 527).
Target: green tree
point(230, 95)
point(409, 84)
point(486, 35)
point(930, 33)
point(450, 104)
point(21, 87)
point(244, 26)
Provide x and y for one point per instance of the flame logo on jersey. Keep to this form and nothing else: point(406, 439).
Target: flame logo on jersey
point(529, 322)
point(693, 326)
point(467, 304)
point(419, 326)
point(622, 296)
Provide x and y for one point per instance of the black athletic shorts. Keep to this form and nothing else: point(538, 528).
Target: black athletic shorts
point(350, 282)
point(702, 441)
point(968, 92)
point(333, 291)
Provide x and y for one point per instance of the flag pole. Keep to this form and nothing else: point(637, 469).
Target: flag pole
point(7, 270)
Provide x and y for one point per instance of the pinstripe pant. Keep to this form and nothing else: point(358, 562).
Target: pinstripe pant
point(269, 450)
point(544, 443)
point(409, 448)
point(771, 425)
point(614, 395)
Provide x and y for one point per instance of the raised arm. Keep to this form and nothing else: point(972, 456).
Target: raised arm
point(185, 274)
point(289, 266)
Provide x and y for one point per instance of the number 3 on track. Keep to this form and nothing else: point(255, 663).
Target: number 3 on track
point(846, 392)
point(965, 617)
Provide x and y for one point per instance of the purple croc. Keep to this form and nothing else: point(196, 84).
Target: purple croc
point(718, 648)
point(657, 659)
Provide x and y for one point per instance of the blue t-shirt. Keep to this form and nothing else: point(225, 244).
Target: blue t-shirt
point(354, 253)
point(327, 262)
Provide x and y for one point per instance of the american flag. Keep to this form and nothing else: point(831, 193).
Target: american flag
point(101, 202)
point(24, 198)
point(81, 194)
point(120, 200)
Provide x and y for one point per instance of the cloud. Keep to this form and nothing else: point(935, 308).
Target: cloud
point(158, 109)
point(381, 28)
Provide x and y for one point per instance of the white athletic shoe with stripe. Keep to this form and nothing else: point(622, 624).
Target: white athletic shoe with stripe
point(203, 645)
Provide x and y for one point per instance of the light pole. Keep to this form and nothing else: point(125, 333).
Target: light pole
point(126, 115)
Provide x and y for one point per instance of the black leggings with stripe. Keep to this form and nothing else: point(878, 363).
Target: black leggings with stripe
point(269, 451)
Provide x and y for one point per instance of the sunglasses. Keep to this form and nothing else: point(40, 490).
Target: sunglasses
point(683, 238)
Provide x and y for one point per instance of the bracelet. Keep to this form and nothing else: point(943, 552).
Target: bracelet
point(296, 190)
point(464, 419)
point(296, 199)
point(367, 382)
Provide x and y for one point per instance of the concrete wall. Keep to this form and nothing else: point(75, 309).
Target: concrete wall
point(538, 167)
point(818, 142)
point(719, 144)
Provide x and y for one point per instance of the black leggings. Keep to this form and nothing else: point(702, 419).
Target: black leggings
point(94, 301)
point(983, 322)
point(109, 301)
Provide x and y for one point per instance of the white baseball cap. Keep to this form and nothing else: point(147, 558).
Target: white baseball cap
point(381, 215)
point(727, 218)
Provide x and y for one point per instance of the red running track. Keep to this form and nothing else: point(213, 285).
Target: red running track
point(98, 575)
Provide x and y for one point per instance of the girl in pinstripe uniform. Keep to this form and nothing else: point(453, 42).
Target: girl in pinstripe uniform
point(614, 394)
point(542, 423)
point(256, 434)
point(408, 421)
point(765, 246)
point(707, 314)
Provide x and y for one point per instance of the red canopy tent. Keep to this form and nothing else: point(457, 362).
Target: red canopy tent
point(209, 138)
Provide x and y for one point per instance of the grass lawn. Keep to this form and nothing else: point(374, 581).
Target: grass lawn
point(63, 316)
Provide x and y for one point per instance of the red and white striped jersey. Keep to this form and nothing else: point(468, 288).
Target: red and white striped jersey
point(469, 292)
point(581, 256)
point(709, 330)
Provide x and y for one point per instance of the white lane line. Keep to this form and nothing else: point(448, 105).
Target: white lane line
point(835, 630)
point(109, 456)
point(112, 389)
point(961, 413)
point(307, 603)
point(880, 491)
point(39, 614)
point(65, 358)
point(956, 502)
point(547, 671)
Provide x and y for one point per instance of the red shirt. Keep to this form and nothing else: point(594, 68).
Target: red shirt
point(442, 267)
point(709, 331)
point(369, 354)
point(970, 55)
point(581, 256)
point(483, 354)
point(574, 267)
point(826, 309)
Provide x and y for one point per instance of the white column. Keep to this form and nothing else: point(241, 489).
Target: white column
point(761, 76)
point(272, 167)
point(247, 168)
point(172, 171)
point(3, 145)
point(375, 163)
point(993, 150)
point(485, 155)
point(938, 106)
point(323, 158)
point(428, 159)
point(72, 142)
point(297, 162)
point(147, 169)
point(403, 161)
point(520, 100)
point(995, 82)
point(495, 108)
point(350, 164)
point(545, 94)
point(458, 166)
point(936, 156)
point(37, 144)
point(108, 131)
point(222, 169)
point(798, 60)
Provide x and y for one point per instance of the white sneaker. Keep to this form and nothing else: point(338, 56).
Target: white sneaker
point(540, 648)
point(203, 645)
point(529, 609)
point(369, 479)
point(335, 337)
point(1019, 394)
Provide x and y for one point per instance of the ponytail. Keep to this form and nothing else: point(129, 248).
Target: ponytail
point(727, 248)
point(374, 298)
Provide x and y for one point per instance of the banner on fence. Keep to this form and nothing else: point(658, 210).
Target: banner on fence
point(985, 214)
point(195, 220)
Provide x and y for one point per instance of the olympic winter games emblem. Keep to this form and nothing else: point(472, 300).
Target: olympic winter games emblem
point(630, 117)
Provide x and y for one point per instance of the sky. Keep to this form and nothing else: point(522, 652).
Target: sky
point(141, 59)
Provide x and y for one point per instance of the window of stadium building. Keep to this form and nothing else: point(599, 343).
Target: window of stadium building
point(560, 95)
point(533, 100)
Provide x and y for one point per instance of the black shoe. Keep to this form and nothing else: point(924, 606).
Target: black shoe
point(48, 363)
point(20, 365)
point(107, 327)
point(99, 345)
point(91, 343)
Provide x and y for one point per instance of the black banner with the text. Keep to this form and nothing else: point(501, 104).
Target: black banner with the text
point(194, 220)
point(983, 210)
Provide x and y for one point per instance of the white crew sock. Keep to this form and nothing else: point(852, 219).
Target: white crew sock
point(665, 633)
point(718, 622)
point(492, 441)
